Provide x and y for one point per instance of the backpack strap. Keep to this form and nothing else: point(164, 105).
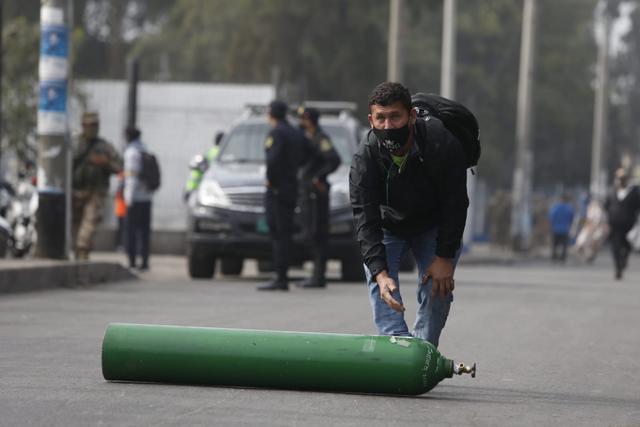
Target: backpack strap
point(430, 137)
point(83, 156)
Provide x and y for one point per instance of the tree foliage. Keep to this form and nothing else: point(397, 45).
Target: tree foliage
point(624, 127)
point(19, 86)
point(337, 49)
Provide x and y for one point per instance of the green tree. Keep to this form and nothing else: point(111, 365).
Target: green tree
point(328, 49)
point(19, 86)
point(624, 129)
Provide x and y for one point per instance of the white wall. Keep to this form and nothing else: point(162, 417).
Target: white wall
point(177, 120)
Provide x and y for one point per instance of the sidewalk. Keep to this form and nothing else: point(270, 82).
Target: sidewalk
point(24, 275)
point(30, 274)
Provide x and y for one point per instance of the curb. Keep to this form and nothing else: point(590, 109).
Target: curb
point(63, 275)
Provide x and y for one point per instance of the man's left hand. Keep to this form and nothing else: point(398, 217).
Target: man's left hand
point(441, 273)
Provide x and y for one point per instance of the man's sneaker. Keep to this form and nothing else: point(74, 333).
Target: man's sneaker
point(276, 285)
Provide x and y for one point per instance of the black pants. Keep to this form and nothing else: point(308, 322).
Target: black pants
point(620, 247)
point(316, 219)
point(279, 210)
point(559, 246)
point(138, 232)
point(119, 241)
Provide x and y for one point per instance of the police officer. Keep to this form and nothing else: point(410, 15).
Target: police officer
point(321, 159)
point(94, 160)
point(283, 148)
point(199, 165)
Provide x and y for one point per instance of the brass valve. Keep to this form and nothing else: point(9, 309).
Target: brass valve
point(461, 368)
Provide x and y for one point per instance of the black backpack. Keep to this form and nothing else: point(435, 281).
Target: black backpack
point(150, 171)
point(456, 118)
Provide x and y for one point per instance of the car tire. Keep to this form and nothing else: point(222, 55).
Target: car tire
point(265, 266)
point(201, 264)
point(351, 269)
point(4, 244)
point(231, 266)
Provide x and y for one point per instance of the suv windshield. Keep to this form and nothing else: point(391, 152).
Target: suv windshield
point(245, 144)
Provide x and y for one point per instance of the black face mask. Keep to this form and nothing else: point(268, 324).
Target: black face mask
point(392, 139)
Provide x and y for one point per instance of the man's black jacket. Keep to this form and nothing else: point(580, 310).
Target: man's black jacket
point(622, 214)
point(429, 191)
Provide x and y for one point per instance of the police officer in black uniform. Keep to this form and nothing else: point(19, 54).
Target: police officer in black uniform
point(284, 149)
point(321, 159)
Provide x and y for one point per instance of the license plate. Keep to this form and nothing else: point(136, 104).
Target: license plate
point(262, 226)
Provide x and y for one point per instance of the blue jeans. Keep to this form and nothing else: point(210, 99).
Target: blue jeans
point(432, 311)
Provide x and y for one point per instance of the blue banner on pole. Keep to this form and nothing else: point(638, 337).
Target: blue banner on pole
point(54, 41)
point(53, 96)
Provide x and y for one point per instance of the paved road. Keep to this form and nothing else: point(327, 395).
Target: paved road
point(554, 346)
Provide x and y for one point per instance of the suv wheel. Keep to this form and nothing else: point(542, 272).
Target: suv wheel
point(231, 266)
point(201, 264)
point(265, 266)
point(351, 269)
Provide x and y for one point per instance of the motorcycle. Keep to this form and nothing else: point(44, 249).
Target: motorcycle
point(22, 219)
point(6, 232)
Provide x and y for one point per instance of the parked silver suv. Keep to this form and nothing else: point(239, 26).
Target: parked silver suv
point(226, 215)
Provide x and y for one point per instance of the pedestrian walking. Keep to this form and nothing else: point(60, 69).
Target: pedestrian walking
point(561, 216)
point(320, 160)
point(138, 197)
point(283, 151)
point(623, 207)
point(94, 161)
point(408, 192)
point(593, 232)
point(120, 211)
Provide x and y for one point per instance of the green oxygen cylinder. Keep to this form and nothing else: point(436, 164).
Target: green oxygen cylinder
point(269, 359)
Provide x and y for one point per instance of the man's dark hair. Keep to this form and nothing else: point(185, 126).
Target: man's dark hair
point(311, 114)
point(132, 133)
point(278, 109)
point(389, 93)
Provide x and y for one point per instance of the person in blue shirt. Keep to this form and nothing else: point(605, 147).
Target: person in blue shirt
point(561, 216)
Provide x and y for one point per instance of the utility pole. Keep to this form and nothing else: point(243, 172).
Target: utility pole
point(448, 65)
point(600, 112)
point(522, 174)
point(448, 90)
point(53, 131)
point(132, 95)
point(1, 54)
point(395, 58)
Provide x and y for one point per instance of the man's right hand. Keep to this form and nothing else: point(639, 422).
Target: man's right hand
point(387, 286)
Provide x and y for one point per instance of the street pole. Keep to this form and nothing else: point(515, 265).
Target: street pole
point(522, 175)
point(132, 95)
point(394, 54)
point(1, 54)
point(600, 112)
point(53, 132)
point(448, 90)
point(448, 66)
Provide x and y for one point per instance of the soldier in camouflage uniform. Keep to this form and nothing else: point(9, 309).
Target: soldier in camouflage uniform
point(94, 160)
